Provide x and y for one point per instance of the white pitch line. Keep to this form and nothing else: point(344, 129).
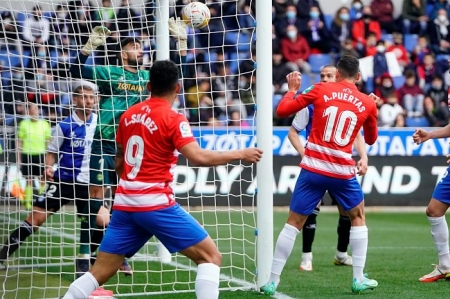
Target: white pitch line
point(241, 282)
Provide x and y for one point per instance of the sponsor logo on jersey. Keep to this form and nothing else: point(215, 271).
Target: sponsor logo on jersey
point(130, 87)
point(185, 130)
point(308, 89)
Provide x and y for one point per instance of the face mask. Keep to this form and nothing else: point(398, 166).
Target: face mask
point(437, 86)
point(18, 76)
point(387, 84)
point(380, 49)
point(442, 18)
point(61, 15)
point(357, 6)
point(81, 12)
point(314, 14)
point(63, 58)
point(40, 77)
point(291, 34)
point(291, 15)
point(41, 53)
point(344, 17)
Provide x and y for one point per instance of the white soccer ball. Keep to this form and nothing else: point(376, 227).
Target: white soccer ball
point(196, 15)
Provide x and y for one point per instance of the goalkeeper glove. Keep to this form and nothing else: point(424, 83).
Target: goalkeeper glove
point(96, 39)
point(177, 29)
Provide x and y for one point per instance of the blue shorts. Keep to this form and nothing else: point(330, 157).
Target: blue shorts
point(442, 189)
point(129, 231)
point(311, 187)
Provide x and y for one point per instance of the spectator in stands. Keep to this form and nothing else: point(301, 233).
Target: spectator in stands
point(33, 136)
point(385, 87)
point(439, 33)
point(426, 71)
point(195, 97)
point(289, 18)
point(420, 50)
point(61, 70)
point(400, 121)
point(9, 36)
point(304, 8)
point(247, 66)
point(197, 69)
point(437, 115)
point(348, 49)
point(383, 11)
point(389, 111)
point(276, 42)
point(60, 24)
point(279, 8)
point(149, 21)
point(213, 122)
point(245, 18)
point(37, 61)
point(356, 10)
point(380, 65)
point(128, 20)
point(411, 95)
point(14, 92)
point(316, 33)
point(437, 91)
point(340, 29)
point(107, 15)
point(296, 50)
point(362, 27)
point(414, 16)
point(36, 33)
point(83, 20)
point(371, 45)
point(437, 5)
point(399, 50)
point(236, 120)
point(213, 35)
point(279, 73)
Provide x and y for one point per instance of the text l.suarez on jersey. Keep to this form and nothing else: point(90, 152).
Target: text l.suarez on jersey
point(144, 119)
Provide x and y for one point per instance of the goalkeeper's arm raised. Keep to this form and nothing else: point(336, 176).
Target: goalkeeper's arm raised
point(78, 69)
point(177, 29)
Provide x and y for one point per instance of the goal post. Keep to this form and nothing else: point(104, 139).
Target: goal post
point(219, 97)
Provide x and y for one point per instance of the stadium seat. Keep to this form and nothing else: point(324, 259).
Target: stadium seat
point(317, 61)
point(316, 78)
point(328, 20)
point(231, 38)
point(416, 122)
point(429, 8)
point(399, 81)
point(387, 38)
point(441, 57)
point(211, 56)
point(410, 41)
point(244, 42)
point(10, 58)
point(306, 82)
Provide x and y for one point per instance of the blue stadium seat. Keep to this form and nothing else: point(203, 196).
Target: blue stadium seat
point(410, 41)
point(316, 78)
point(429, 8)
point(20, 18)
point(10, 58)
point(317, 61)
point(442, 57)
point(306, 82)
point(416, 122)
point(387, 37)
point(399, 81)
point(328, 20)
point(231, 38)
point(244, 42)
point(211, 56)
point(369, 85)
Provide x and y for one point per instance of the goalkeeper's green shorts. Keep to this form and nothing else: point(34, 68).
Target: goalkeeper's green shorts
point(101, 165)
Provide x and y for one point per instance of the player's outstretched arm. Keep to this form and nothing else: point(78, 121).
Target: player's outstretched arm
point(78, 69)
point(421, 135)
point(295, 141)
point(177, 29)
point(201, 157)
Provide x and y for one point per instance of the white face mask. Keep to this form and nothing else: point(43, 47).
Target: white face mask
point(442, 18)
point(291, 34)
point(380, 48)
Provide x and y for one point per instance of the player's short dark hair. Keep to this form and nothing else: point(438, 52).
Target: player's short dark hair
point(348, 66)
point(128, 40)
point(163, 77)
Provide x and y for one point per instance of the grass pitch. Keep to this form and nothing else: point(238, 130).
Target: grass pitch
point(400, 251)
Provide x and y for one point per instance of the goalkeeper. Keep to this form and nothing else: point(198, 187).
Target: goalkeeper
point(120, 87)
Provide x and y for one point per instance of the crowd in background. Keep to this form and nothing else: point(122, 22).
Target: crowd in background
point(219, 77)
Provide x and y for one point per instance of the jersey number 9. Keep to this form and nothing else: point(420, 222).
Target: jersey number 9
point(134, 154)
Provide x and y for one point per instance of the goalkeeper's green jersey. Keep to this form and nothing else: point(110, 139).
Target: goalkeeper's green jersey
point(119, 89)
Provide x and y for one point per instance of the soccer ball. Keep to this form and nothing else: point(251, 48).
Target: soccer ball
point(196, 15)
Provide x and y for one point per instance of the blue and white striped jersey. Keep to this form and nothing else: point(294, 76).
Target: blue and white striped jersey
point(71, 141)
point(303, 120)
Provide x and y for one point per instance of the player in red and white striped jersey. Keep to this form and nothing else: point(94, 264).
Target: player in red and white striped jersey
point(149, 137)
point(340, 111)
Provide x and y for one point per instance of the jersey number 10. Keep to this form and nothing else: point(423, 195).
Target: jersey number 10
point(345, 118)
point(134, 154)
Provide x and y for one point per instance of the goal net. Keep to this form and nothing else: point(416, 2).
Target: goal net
point(39, 41)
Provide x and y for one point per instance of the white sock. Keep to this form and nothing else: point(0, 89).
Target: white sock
point(82, 287)
point(439, 231)
point(207, 281)
point(307, 255)
point(283, 250)
point(359, 239)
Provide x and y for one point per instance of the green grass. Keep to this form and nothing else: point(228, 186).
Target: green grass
point(400, 251)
